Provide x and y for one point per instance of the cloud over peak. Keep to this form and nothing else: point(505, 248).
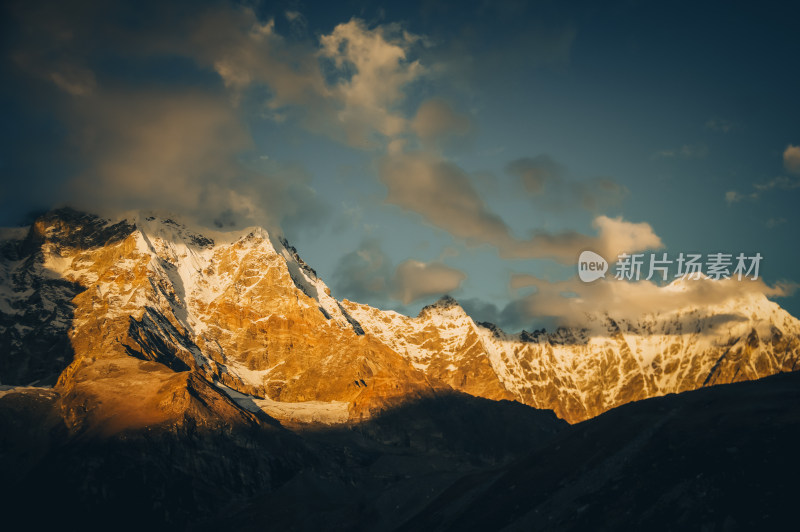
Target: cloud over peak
point(570, 301)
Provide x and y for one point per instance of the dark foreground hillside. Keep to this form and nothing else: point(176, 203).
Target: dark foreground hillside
point(720, 458)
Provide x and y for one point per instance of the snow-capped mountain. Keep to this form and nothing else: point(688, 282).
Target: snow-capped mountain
point(243, 311)
point(582, 373)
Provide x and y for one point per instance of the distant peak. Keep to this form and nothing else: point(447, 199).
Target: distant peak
point(71, 228)
point(445, 302)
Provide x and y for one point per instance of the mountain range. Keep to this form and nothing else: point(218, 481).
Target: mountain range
point(209, 377)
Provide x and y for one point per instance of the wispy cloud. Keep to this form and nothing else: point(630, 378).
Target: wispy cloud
point(687, 151)
point(547, 184)
point(443, 194)
point(774, 222)
point(569, 302)
point(366, 274)
point(733, 196)
point(777, 183)
point(721, 125)
point(791, 162)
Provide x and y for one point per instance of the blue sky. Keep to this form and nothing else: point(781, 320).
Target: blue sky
point(416, 149)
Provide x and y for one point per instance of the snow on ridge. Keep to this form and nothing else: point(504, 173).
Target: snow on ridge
point(192, 252)
point(325, 412)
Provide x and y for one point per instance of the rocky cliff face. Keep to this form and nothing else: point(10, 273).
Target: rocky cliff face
point(84, 297)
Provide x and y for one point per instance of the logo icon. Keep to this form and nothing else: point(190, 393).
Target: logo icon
point(591, 266)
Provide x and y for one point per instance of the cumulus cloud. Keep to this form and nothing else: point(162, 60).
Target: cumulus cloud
point(366, 275)
point(379, 69)
point(791, 159)
point(614, 236)
point(188, 150)
point(348, 84)
point(546, 181)
point(569, 302)
point(444, 195)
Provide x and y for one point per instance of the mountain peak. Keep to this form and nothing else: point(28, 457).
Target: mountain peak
point(444, 303)
point(70, 228)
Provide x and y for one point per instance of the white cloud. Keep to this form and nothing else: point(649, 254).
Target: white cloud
point(379, 69)
point(616, 236)
point(352, 96)
point(627, 300)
